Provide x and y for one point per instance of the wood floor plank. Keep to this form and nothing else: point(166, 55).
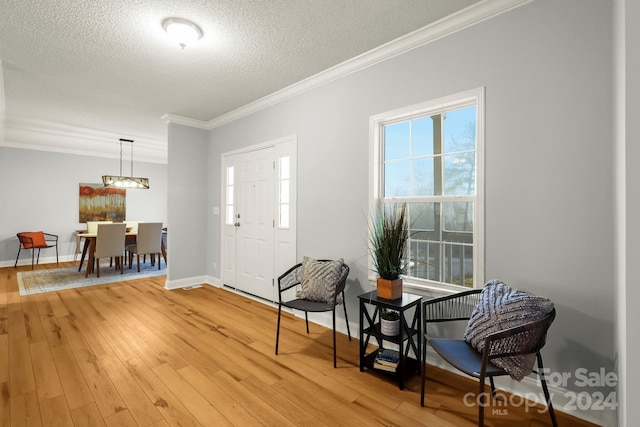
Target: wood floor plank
point(261, 410)
point(25, 410)
point(104, 393)
point(228, 407)
point(137, 402)
point(87, 415)
point(76, 389)
point(171, 408)
point(4, 358)
point(21, 376)
point(200, 408)
point(45, 372)
point(54, 412)
point(134, 354)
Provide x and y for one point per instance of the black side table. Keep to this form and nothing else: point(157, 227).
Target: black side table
point(408, 338)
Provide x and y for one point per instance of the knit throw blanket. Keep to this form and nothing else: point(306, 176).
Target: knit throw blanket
point(501, 307)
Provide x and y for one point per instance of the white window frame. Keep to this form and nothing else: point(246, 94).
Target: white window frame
point(376, 179)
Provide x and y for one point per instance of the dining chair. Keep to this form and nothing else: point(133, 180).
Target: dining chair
point(148, 241)
point(110, 243)
point(92, 226)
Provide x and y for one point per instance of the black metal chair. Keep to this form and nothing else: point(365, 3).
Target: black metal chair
point(525, 339)
point(36, 240)
point(292, 278)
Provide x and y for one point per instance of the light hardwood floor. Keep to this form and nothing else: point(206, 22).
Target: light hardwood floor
point(133, 354)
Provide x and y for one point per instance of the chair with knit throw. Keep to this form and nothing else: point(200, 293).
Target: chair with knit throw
point(36, 240)
point(322, 284)
point(506, 329)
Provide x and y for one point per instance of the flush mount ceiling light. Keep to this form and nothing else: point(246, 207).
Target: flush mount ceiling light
point(125, 181)
point(182, 31)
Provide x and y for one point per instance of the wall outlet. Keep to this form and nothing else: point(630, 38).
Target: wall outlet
point(216, 210)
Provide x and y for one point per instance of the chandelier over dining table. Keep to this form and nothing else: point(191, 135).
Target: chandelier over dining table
point(125, 181)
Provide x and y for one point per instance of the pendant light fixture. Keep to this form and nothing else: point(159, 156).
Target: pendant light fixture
point(125, 181)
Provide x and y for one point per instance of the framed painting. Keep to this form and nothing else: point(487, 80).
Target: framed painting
point(99, 203)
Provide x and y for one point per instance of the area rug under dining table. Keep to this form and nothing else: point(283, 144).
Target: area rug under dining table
point(57, 279)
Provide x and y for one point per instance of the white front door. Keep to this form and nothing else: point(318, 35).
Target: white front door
point(249, 222)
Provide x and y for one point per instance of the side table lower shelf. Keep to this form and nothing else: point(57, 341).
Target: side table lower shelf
point(409, 366)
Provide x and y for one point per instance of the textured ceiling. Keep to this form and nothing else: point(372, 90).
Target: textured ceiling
point(108, 66)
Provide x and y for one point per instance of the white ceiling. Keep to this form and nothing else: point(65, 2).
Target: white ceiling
point(89, 72)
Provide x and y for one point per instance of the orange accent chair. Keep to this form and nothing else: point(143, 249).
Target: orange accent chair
point(36, 240)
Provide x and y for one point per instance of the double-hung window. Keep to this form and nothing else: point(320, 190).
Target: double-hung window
point(430, 157)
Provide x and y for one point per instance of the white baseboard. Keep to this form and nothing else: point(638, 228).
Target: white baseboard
point(26, 260)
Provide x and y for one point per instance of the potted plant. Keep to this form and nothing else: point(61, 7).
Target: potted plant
point(388, 239)
point(389, 322)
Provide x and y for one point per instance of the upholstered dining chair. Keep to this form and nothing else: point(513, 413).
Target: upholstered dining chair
point(506, 330)
point(36, 240)
point(92, 226)
point(148, 241)
point(322, 289)
point(110, 243)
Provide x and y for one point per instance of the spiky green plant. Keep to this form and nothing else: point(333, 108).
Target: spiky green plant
point(388, 238)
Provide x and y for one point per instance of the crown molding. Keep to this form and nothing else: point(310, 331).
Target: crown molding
point(34, 134)
point(458, 21)
point(186, 121)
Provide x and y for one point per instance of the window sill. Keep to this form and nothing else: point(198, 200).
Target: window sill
point(428, 290)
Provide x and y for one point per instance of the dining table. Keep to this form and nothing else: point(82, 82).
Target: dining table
point(90, 248)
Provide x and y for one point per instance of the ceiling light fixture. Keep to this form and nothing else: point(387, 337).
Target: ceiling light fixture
point(125, 181)
point(182, 31)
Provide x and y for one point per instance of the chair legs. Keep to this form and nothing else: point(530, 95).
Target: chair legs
point(482, 401)
point(306, 319)
point(278, 329)
point(18, 256)
point(32, 256)
point(552, 414)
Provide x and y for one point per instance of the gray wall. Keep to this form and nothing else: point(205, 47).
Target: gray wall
point(547, 69)
point(39, 191)
point(187, 194)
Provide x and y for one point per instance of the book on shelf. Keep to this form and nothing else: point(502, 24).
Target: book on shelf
point(387, 360)
point(383, 367)
point(388, 355)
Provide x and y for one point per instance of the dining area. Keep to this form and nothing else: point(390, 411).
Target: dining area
point(119, 242)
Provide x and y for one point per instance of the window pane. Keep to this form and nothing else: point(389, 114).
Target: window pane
point(460, 174)
point(230, 195)
point(458, 264)
point(423, 260)
point(422, 182)
point(230, 175)
point(284, 167)
point(422, 137)
point(396, 179)
point(284, 216)
point(229, 216)
point(284, 191)
point(458, 217)
point(460, 130)
point(396, 141)
point(422, 217)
